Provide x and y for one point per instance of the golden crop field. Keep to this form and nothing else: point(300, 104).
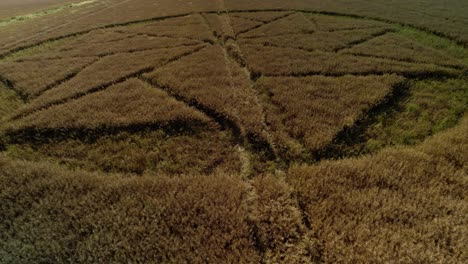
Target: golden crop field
point(301, 131)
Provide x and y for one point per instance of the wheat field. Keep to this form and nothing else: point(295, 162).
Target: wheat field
point(233, 131)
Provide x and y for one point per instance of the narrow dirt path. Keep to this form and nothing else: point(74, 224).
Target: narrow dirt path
point(233, 56)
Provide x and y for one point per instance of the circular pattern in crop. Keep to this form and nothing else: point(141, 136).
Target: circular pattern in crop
point(205, 92)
